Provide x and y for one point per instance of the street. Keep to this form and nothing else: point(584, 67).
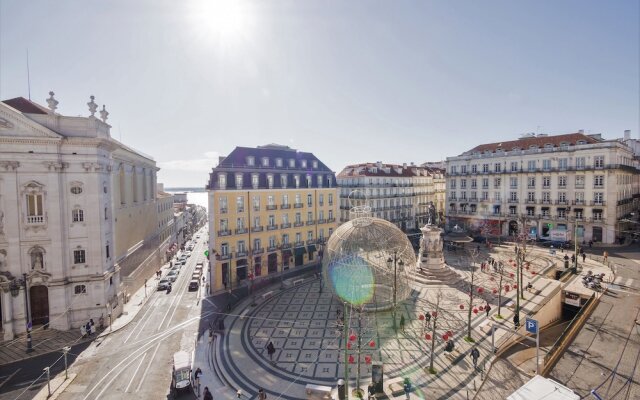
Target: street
point(136, 361)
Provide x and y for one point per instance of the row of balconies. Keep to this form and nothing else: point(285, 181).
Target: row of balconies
point(257, 229)
point(534, 201)
point(549, 169)
point(560, 217)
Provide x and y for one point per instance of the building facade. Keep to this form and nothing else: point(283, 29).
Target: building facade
point(271, 208)
point(574, 182)
point(399, 194)
point(74, 204)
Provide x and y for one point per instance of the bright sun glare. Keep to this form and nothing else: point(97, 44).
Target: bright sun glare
point(226, 20)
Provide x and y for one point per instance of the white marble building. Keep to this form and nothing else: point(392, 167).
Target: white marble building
point(66, 189)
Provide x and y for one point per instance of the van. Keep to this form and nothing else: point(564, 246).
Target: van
point(181, 375)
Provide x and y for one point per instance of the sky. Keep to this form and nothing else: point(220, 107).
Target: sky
point(351, 81)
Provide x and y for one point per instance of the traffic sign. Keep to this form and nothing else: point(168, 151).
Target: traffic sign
point(531, 325)
point(206, 253)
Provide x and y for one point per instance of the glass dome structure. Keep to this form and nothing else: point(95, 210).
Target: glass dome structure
point(368, 262)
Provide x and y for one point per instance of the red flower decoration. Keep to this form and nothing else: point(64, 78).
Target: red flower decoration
point(495, 291)
point(510, 260)
point(462, 306)
point(372, 344)
point(421, 317)
point(449, 333)
point(445, 337)
point(435, 314)
point(427, 336)
point(367, 359)
point(492, 279)
point(349, 345)
point(351, 359)
point(475, 310)
point(506, 287)
point(515, 285)
point(352, 337)
point(533, 273)
point(480, 290)
point(480, 308)
point(511, 275)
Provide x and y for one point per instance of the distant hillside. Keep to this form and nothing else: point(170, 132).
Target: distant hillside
point(185, 189)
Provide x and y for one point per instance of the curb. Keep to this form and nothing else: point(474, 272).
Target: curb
point(44, 393)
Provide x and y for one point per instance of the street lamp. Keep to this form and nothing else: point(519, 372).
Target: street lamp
point(396, 263)
point(14, 288)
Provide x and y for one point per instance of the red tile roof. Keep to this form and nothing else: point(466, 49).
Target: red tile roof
point(25, 106)
point(525, 143)
point(365, 169)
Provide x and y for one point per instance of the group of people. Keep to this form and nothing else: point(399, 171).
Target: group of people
point(498, 266)
point(88, 329)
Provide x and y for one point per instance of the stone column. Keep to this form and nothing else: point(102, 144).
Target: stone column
point(431, 256)
point(7, 314)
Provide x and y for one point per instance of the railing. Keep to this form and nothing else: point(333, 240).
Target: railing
point(285, 225)
point(512, 201)
point(298, 244)
point(240, 209)
point(311, 222)
point(257, 229)
point(225, 232)
point(298, 224)
point(598, 203)
point(530, 201)
point(322, 221)
point(285, 206)
point(309, 204)
point(285, 246)
point(562, 202)
point(331, 220)
point(258, 251)
point(272, 227)
point(223, 256)
point(35, 219)
point(577, 202)
point(271, 249)
point(240, 231)
point(298, 205)
point(223, 210)
point(240, 254)
point(311, 241)
point(256, 208)
point(271, 207)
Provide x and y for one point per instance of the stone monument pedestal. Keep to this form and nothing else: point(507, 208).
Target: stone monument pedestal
point(430, 263)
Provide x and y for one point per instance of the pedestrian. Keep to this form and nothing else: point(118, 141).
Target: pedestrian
point(402, 322)
point(372, 391)
point(475, 354)
point(271, 349)
point(584, 257)
point(590, 243)
point(83, 330)
point(407, 387)
point(261, 394)
point(207, 394)
point(605, 256)
point(210, 335)
point(87, 328)
point(487, 309)
point(516, 320)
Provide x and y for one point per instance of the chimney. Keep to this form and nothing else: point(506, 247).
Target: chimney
point(412, 163)
point(581, 131)
point(627, 134)
point(379, 164)
point(404, 165)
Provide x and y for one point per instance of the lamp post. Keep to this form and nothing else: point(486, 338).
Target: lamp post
point(16, 284)
point(396, 263)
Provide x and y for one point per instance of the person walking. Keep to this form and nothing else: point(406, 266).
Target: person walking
point(605, 256)
point(584, 257)
point(487, 309)
point(261, 394)
point(207, 394)
point(516, 320)
point(402, 322)
point(371, 389)
point(271, 349)
point(407, 388)
point(475, 354)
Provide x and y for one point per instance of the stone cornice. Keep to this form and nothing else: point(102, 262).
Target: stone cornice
point(21, 122)
point(9, 165)
point(29, 140)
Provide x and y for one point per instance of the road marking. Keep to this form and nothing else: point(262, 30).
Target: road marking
point(9, 377)
point(135, 328)
point(147, 369)
point(135, 372)
point(108, 385)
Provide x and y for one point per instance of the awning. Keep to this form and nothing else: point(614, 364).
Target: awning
point(299, 251)
point(311, 248)
point(286, 253)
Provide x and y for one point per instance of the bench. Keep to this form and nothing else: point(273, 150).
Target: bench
point(485, 327)
point(318, 391)
point(454, 356)
point(267, 295)
point(244, 313)
point(396, 386)
point(298, 281)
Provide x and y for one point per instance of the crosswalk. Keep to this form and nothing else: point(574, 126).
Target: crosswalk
point(627, 282)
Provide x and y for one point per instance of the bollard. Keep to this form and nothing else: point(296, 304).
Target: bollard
point(46, 369)
point(66, 351)
point(29, 344)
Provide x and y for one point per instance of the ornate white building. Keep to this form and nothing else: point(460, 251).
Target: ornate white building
point(398, 193)
point(75, 207)
point(574, 182)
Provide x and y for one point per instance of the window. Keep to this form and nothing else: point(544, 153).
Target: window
point(251, 161)
point(531, 165)
point(35, 212)
point(485, 183)
point(240, 223)
point(285, 218)
point(298, 237)
point(121, 179)
point(562, 181)
point(330, 199)
point(321, 215)
point(309, 235)
point(598, 161)
point(513, 196)
point(497, 182)
point(531, 182)
point(278, 162)
point(272, 241)
point(256, 222)
point(238, 181)
point(309, 184)
point(270, 181)
point(257, 244)
point(330, 214)
point(241, 246)
point(255, 180)
point(546, 165)
point(292, 163)
point(319, 180)
point(271, 200)
point(283, 181)
point(285, 238)
point(303, 163)
point(285, 199)
point(496, 196)
point(562, 197)
point(579, 181)
point(79, 289)
point(76, 189)
point(256, 203)
point(272, 220)
point(546, 181)
point(463, 183)
point(454, 169)
point(463, 169)
point(298, 218)
point(546, 197)
point(222, 181)
point(321, 199)
point(513, 183)
point(453, 184)
point(598, 181)
point(579, 197)
point(106, 214)
point(77, 215)
point(562, 213)
point(106, 250)
point(485, 196)
point(545, 212)
point(78, 257)
point(563, 163)
point(265, 161)
point(497, 167)
point(598, 198)
point(222, 201)
point(309, 200)
point(485, 168)
point(474, 183)
point(240, 204)
point(580, 162)
point(309, 216)
point(329, 181)
point(514, 166)
point(597, 215)
point(315, 164)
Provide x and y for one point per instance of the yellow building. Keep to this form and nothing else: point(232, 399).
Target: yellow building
point(271, 209)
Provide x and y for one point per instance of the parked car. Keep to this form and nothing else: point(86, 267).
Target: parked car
point(176, 268)
point(172, 276)
point(194, 284)
point(163, 284)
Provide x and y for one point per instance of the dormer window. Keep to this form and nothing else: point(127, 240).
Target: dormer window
point(533, 147)
point(222, 181)
point(283, 181)
point(548, 146)
point(265, 161)
point(319, 179)
point(292, 163)
point(309, 183)
point(581, 142)
point(329, 181)
point(303, 163)
point(238, 181)
point(251, 161)
point(315, 164)
point(564, 145)
point(255, 180)
point(279, 162)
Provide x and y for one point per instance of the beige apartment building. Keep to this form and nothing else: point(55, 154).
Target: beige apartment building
point(271, 209)
point(578, 183)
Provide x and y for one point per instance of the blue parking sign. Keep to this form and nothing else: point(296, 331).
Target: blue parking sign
point(531, 325)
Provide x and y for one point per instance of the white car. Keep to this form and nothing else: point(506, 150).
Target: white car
point(172, 276)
